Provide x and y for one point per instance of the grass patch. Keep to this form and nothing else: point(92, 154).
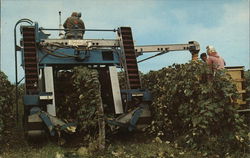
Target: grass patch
point(48, 151)
point(119, 148)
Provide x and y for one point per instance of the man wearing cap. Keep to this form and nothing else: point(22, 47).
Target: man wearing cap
point(214, 60)
point(74, 22)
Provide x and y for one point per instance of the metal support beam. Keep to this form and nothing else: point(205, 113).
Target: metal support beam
point(116, 90)
point(49, 87)
point(82, 42)
point(102, 30)
point(192, 46)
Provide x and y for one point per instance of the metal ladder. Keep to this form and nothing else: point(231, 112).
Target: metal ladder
point(30, 60)
point(130, 65)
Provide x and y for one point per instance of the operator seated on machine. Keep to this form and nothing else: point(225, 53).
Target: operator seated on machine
point(74, 22)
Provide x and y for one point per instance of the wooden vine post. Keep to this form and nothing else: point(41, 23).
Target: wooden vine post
point(101, 123)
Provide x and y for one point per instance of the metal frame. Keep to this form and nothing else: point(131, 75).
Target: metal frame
point(192, 45)
point(70, 52)
point(89, 43)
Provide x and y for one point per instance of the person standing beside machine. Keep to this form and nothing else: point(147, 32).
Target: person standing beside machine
point(203, 57)
point(214, 60)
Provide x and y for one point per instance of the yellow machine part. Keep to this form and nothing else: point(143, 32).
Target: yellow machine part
point(237, 74)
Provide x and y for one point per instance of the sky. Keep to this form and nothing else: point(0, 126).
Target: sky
point(221, 23)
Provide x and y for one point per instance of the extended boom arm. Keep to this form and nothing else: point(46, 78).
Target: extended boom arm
point(192, 46)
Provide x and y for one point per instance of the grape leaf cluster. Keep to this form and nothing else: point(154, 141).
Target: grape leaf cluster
point(195, 106)
point(6, 101)
point(81, 97)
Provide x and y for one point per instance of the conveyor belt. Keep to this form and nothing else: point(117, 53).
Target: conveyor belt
point(33, 126)
point(130, 66)
point(30, 60)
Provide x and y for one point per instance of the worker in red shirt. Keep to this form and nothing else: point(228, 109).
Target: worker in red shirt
point(74, 22)
point(214, 60)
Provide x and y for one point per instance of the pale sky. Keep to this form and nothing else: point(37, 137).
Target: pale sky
point(221, 23)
